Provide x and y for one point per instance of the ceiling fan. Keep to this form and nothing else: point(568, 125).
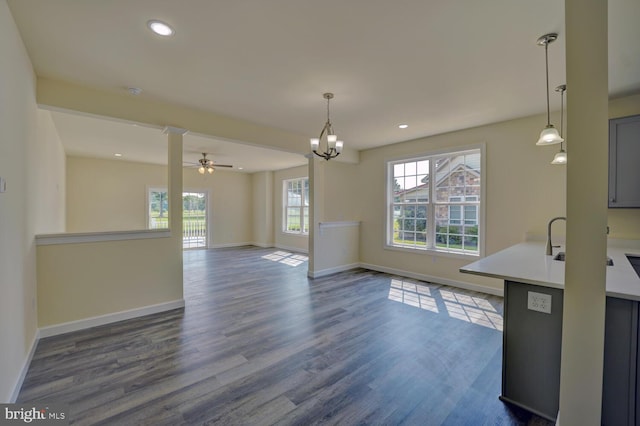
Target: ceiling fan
point(207, 165)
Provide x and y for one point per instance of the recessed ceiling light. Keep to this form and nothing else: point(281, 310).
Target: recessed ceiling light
point(160, 28)
point(403, 126)
point(117, 154)
point(240, 168)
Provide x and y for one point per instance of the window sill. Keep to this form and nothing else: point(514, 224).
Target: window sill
point(433, 252)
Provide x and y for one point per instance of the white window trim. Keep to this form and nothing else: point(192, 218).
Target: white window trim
point(431, 249)
point(285, 205)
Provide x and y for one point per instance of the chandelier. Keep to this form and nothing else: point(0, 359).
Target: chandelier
point(333, 145)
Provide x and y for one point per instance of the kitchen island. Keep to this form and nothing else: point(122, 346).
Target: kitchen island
point(532, 339)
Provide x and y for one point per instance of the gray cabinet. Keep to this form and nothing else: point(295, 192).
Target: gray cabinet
point(624, 162)
point(620, 363)
point(531, 350)
point(532, 345)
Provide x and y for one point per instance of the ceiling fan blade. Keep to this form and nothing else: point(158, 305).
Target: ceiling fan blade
point(221, 165)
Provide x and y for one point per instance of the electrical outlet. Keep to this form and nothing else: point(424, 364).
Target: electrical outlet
point(539, 302)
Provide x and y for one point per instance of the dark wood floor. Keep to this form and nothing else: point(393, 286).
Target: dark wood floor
point(258, 344)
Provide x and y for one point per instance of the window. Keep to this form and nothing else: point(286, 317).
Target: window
point(296, 206)
point(434, 202)
point(158, 213)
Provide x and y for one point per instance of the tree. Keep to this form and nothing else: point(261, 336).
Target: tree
point(159, 202)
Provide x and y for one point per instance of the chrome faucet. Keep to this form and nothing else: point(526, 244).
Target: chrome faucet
point(549, 245)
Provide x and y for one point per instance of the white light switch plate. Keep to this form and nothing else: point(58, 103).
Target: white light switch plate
point(539, 302)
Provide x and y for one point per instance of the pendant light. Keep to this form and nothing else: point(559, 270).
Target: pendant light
point(561, 157)
point(549, 134)
point(334, 146)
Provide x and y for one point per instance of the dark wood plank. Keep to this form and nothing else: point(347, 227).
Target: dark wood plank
point(259, 343)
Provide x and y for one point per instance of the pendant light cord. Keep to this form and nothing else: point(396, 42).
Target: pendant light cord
point(546, 61)
point(561, 116)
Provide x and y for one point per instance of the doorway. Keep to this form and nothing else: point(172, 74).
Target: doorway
point(194, 215)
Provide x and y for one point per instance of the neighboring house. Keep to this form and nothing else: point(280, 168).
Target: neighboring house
point(457, 197)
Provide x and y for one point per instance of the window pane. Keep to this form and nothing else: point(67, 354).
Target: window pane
point(398, 189)
point(293, 219)
point(410, 211)
point(398, 170)
point(442, 180)
point(421, 211)
point(423, 167)
point(397, 211)
point(409, 169)
point(470, 215)
point(471, 243)
point(455, 214)
point(305, 196)
point(472, 162)
point(410, 183)
point(306, 220)
point(295, 194)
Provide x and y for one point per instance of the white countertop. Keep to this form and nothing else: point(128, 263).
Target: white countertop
point(527, 263)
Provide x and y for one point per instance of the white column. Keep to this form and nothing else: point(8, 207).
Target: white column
point(316, 210)
point(174, 189)
point(585, 276)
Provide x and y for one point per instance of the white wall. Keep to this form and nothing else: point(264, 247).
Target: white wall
point(110, 195)
point(25, 137)
point(50, 173)
point(230, 202)
point(522, 192)
point(342, 185)
point(263, 227)
point(283, 239)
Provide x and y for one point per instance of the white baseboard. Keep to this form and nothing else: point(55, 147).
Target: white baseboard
point(25, 368)
point(329, 271)
point(262, 245)
point(227, 245)
point(67, 327)
point(437, 280)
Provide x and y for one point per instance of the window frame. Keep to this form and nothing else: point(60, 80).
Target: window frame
point(430, 247)
point(304, 206)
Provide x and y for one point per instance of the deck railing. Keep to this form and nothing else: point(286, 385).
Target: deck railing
point(194, 230)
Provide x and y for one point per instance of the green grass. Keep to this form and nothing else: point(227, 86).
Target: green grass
point(438, 245)
point(409, 242)
point(187, 219)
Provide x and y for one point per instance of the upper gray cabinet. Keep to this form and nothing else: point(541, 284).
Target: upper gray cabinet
point(624, 162)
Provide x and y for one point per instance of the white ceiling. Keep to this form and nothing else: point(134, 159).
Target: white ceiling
point(88, 136)
point(436, 65)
